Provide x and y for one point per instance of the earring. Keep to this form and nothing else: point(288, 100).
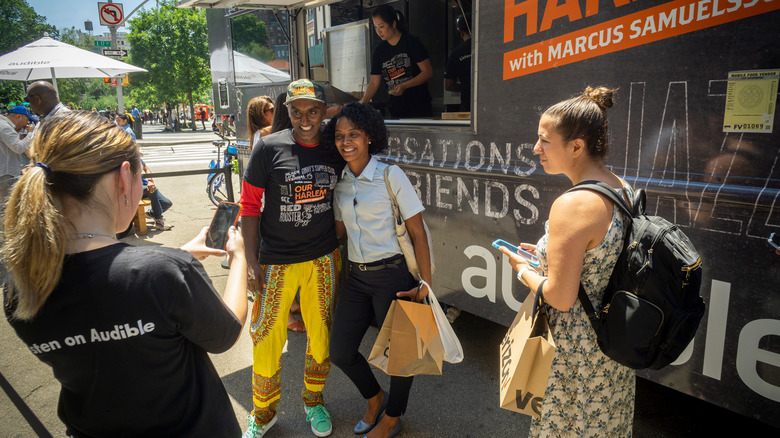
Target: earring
point(125, 200)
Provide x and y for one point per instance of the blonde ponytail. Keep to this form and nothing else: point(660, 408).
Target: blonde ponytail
point(34, 247)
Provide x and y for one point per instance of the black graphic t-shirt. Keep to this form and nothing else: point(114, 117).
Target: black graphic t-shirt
point(297, 220)
point(398, 64)
point(459, 67)
point(126, 332)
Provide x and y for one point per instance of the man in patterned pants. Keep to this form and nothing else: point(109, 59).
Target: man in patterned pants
point(298, 250)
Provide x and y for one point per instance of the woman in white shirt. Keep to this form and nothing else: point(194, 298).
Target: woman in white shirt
point(377, 270)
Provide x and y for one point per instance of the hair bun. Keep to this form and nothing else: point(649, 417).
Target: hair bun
point(601, 96)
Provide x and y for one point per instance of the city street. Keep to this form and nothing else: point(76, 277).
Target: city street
point(463, 402)
point(172, 151)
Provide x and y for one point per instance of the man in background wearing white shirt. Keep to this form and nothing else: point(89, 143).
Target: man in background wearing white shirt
point(43, 101)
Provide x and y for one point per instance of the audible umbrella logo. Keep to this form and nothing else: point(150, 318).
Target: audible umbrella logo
point(30, 63)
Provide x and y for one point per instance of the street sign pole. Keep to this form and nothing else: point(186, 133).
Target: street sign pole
point(120, 101)
point(113, 26)
point(117, 14)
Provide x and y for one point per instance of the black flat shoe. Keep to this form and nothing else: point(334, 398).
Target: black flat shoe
point(396, 430)
point(362, 427)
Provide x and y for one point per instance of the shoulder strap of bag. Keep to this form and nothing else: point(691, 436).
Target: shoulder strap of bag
point(539, 300)
point(540, 321)
point(393, 201)
point(606, 190)
point(631, 210)
point(387, 185)
point(588, 307)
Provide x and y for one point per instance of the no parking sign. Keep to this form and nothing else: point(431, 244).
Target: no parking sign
point(111, 14)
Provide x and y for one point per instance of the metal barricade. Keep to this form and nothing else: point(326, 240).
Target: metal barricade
point(243, 158)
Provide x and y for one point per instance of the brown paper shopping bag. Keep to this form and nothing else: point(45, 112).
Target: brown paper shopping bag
point(408, 343)
point(527, 353)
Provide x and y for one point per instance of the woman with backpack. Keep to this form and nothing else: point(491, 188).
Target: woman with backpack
point(587, 392)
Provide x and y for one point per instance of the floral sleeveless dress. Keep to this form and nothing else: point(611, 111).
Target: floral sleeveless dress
point(588, 394)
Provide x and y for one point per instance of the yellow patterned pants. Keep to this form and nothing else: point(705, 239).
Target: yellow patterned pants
point(317, 282)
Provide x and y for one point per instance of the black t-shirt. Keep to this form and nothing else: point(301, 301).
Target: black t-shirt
point(297, 220)
point(398, 64)
point(126, 332)
point(459, 67)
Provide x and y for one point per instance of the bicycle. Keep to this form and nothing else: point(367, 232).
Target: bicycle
point(216, 187)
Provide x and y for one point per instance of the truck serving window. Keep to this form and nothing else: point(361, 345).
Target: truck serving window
point(353, 50)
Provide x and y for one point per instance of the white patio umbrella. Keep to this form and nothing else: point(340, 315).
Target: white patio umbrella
point(251, 71)
point(48, 58)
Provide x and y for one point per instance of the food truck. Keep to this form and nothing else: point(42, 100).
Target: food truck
point(693, 125)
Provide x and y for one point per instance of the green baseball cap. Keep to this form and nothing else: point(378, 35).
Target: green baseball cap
point(305, 89)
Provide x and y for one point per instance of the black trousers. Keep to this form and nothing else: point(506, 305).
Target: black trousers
point(368, 294)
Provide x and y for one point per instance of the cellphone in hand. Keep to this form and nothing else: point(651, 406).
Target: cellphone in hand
point(532, 259)
point(774, 240)
point(225, 217)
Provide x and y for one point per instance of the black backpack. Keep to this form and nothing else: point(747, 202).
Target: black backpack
point(651, 307)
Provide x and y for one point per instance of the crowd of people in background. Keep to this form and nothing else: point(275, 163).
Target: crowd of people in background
point(173, 117)
point(18, 125)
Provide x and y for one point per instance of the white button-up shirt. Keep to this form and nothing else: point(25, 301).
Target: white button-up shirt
point(57, 108)
point(364, 206)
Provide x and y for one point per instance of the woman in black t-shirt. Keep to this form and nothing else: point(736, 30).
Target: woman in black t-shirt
point(127, 330)
point(403, 63)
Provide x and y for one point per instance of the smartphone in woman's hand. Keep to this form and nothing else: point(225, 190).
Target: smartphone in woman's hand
point(225, 217)
point(532, 259)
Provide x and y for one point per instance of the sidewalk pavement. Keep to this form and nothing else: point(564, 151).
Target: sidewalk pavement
point(426, 417)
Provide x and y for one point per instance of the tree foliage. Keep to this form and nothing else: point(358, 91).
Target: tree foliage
point(248, 30)
point(83, 92)
point(20, 25)
point(250, 37)
point(172, 44)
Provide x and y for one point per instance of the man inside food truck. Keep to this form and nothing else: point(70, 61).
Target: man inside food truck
point(457, 74)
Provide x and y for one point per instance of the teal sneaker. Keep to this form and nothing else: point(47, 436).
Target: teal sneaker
point(255, 431)
point(319, 418)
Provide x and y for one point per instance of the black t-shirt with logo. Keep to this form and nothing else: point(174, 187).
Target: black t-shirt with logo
point(459, 67)
point(297, 223)
point(398, 64)
point(126, 332)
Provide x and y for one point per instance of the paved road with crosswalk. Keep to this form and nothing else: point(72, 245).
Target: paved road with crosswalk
point(174, 151)
point(179, 157)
